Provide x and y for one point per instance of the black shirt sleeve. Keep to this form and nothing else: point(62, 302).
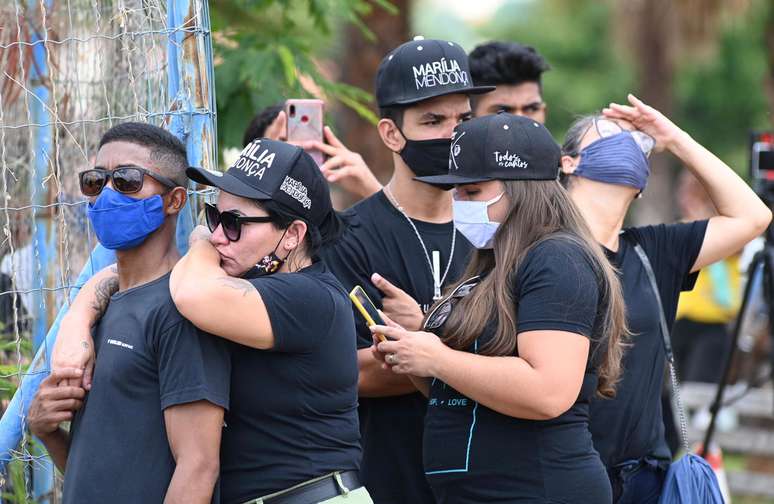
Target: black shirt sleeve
point(192, 366)
point(672, 250)
point(556, 288)
point(299, 309)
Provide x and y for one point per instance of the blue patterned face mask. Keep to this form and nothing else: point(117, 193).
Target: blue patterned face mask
point(617, 159)
point(121, 222)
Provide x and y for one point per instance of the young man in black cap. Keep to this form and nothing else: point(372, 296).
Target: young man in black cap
point(517, 71)
point(150, 426)
point(400, 244)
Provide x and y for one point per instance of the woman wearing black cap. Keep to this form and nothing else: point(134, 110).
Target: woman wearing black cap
point(292, 433)
point(521, 344)
point(606, 166)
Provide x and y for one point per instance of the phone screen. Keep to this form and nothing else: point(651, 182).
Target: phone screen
point(364, 303)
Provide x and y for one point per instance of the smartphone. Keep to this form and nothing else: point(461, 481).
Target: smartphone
point(366, 308)
point(305, 122)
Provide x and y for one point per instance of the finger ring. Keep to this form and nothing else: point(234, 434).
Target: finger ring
point(391, 358)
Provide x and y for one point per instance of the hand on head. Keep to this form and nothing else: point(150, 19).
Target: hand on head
point(646, 119)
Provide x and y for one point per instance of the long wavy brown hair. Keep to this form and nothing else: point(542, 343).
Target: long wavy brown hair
point(539, 210)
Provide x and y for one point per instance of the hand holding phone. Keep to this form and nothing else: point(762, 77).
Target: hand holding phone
point(367, 309)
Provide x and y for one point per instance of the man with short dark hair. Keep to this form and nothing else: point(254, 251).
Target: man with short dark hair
point(517, 71)
point(401, 244)
point(150, 426)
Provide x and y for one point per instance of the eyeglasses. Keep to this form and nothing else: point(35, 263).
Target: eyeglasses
point(442, 310)
point(231, 221)
point(126, 179)
point(608, 128)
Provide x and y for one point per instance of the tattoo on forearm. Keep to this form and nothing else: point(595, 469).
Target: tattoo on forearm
point(104, 290)
point(243, 286)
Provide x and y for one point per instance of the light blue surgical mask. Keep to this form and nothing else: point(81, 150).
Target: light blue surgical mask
point(121, 222)
point(617, 159)
point(471, 219)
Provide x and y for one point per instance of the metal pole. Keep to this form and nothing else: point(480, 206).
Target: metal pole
point(192, 88)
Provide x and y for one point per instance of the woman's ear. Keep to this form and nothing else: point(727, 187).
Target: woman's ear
point(294, 236)
point(391, 135)
point(175, 200)
point(568, 165)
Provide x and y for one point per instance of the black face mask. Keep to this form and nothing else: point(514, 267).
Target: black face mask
point(268, 264)
point(427, 157)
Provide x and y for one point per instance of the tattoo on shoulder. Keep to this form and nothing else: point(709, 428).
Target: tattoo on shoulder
point(104, 290)
point(239, 284)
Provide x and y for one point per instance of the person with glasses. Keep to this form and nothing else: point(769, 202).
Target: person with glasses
point(514, 352)
point(605, 165)
point(517, 71)
point(253, 277)
point(149, 427)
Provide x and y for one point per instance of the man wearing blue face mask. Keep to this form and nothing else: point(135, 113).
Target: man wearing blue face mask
point(150, 426)
point(605, 165)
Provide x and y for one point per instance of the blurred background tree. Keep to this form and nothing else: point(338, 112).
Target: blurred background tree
point(708, 64)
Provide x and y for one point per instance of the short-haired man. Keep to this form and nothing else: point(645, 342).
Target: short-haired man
point(403, 240)
point(517, 71)
point(149, 429)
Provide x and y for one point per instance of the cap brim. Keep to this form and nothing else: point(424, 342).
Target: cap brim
point(473, 90)
point(451, 180)
point(225, 182)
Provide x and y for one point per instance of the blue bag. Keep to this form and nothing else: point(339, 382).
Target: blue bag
point(691, 480)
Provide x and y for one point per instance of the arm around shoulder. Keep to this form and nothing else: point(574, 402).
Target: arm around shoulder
point(224, 306)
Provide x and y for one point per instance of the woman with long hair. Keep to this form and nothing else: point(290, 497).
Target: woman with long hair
point(605, 167)
point(512, 355)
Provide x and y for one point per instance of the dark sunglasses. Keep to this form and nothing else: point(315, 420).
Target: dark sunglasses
point(437, 317)
point(126, 179)
point(231, 221)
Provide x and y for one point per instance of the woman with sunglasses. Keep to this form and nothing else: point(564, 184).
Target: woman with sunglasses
point(605, 166)
point(518, 347)
point(254, 279)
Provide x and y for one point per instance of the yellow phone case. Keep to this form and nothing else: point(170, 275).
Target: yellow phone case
point(364, 312)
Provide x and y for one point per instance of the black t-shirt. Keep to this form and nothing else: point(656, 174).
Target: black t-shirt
point(294, 408)
point(631, 426)
point(473, 454)
point(379, 239)
point(149, 358)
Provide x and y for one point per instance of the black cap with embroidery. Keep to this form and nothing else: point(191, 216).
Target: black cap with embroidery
point(277, 171)
point(424, 69)
point(500, 147)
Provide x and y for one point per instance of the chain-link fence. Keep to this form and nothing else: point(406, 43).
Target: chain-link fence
point(70, 69)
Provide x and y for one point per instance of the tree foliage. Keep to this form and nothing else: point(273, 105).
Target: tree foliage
point(269, 50)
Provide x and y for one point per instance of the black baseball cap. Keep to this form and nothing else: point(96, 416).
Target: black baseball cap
point(500, 147)
point(276, 171)
point(424, 69)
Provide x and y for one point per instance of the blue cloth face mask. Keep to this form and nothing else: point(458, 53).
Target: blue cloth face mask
point(616, 159)
point(471, 219)
point(121, 222)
